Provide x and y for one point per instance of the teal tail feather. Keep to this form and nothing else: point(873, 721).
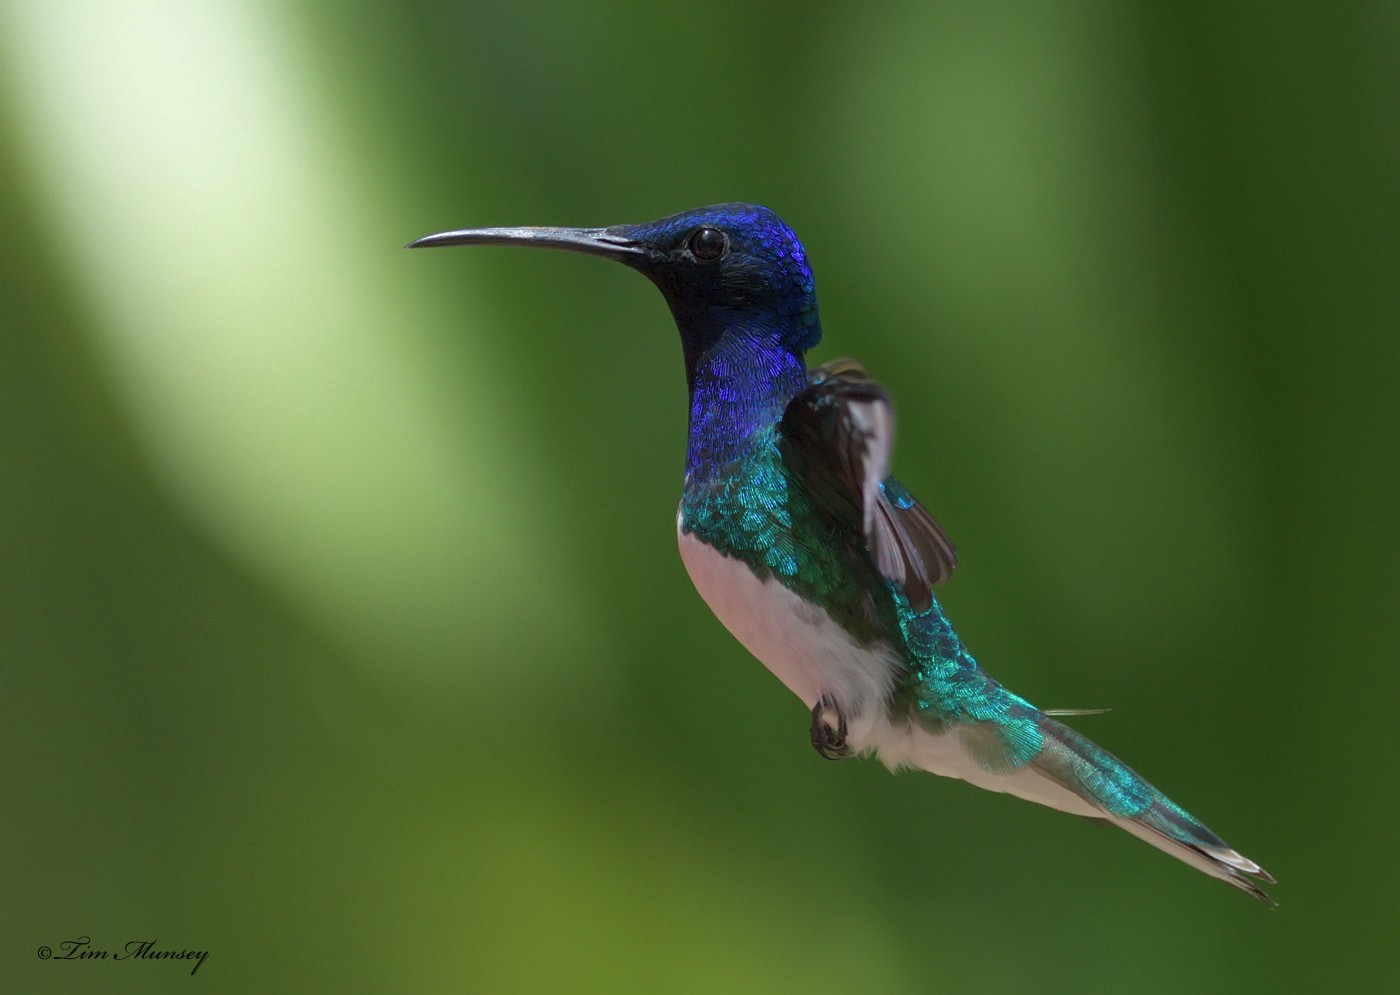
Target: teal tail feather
point(1127, 799)
point(964, 724)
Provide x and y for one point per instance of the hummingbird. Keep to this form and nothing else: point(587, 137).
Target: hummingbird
point(818, 560)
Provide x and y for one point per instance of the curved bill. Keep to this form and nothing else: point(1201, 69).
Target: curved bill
point(589, 241)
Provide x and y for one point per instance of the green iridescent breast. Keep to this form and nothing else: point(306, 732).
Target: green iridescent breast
point(752, 510)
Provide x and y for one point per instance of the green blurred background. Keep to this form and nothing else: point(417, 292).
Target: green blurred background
point(342, 627)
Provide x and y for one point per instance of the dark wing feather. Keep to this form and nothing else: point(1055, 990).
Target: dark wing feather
point(836, 437)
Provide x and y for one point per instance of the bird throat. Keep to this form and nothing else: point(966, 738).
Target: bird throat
point(739, 389)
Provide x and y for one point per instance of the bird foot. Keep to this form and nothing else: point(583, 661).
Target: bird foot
point(829, 740)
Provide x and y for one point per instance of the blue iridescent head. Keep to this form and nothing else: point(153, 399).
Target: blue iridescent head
point(731, 266)
point(728, 269)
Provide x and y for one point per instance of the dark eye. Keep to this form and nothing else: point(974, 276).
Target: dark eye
point(708, 243)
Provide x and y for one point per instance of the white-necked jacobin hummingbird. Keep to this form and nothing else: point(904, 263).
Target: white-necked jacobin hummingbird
point(818, 560)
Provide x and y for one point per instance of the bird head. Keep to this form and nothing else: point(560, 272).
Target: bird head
point(727, 269)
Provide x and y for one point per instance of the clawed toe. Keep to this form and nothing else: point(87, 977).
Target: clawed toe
point(829, 741)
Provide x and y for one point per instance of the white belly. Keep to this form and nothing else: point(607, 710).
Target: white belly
point(793, 638)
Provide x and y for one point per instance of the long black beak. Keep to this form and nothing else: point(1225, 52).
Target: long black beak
point(589, 241)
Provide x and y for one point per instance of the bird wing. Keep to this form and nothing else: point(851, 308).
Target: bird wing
point(836, 438)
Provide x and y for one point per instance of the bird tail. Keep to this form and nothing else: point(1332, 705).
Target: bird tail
point(1030, 755)
point(1126, 799)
